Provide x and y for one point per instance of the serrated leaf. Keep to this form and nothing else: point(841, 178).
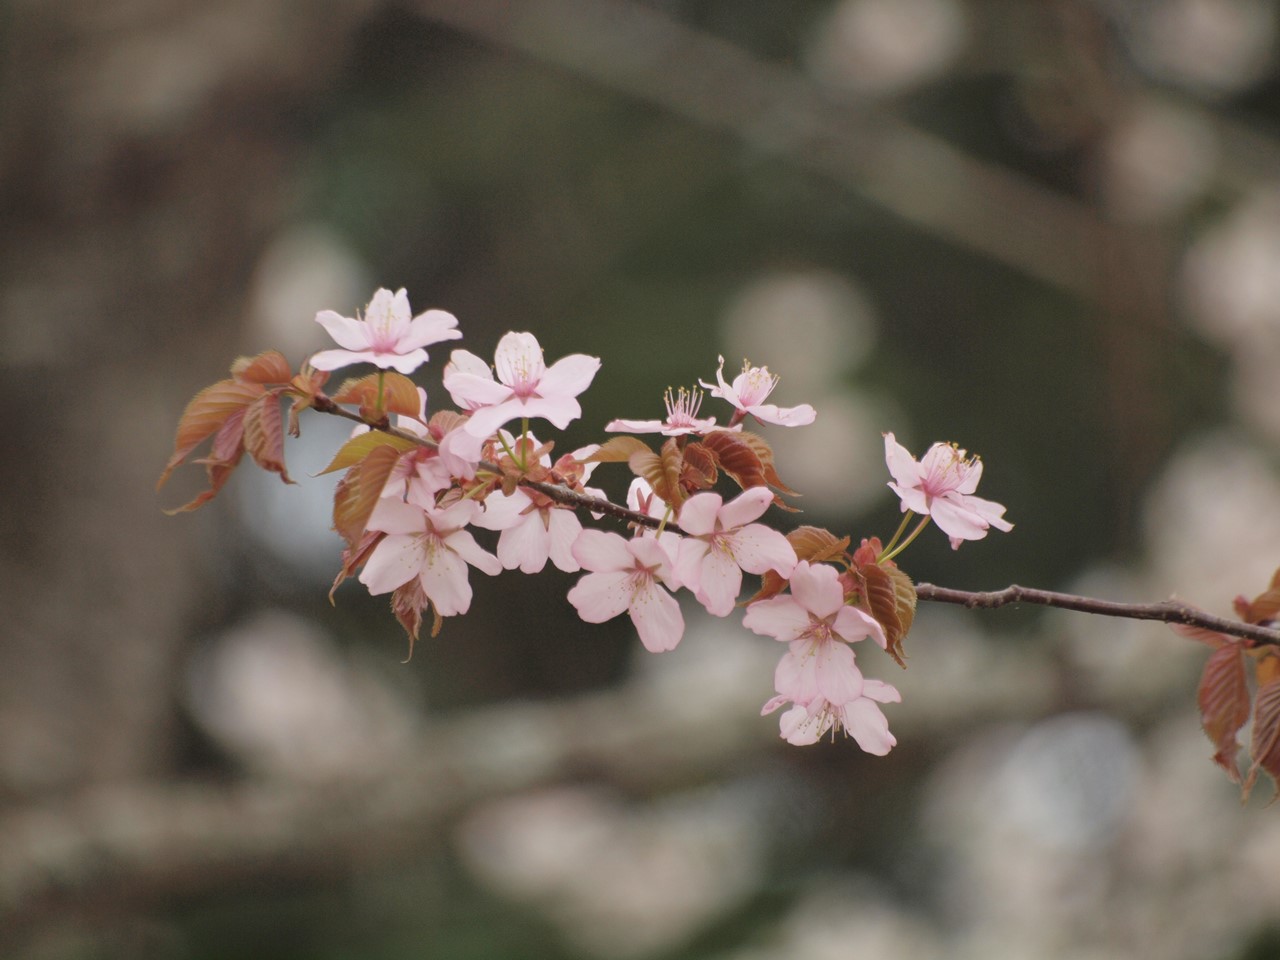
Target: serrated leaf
point(359, 490)
point(1264, 744)
point(268, 367)
point(761, 448)
point(205, 415)
point(407, 603)
point(353, 558)
point(1224, 705)
point(904, 591)
point(361, 445)
point(1265, 606)
point(699, 471)
point(399, 395)
point(618, 450)
point(662, 471)
point(224, 457)
point(737, 459)
point(816, 544)
point(264, 434)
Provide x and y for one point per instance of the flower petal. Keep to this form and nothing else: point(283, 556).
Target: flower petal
point(569, 376)
point(745, 507)
point(657, 617)
point(346, 332)
point(431, 326)
point(394, 562)
point(601, 596)
point(852, 625)
point(799, 416)
point(517, 360)
point(758, 548)
point(816, 587)
point(779, 617)
point(444, 579)
point(698, 515)
point(866, 724)
point(599, 550)
point(719, 583)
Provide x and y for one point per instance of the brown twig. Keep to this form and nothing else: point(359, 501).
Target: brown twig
point(1166, 611)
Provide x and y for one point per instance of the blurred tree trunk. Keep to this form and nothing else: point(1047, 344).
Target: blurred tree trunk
point(145, 156)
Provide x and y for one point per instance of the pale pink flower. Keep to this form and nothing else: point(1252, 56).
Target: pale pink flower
point(682, 417)
point(430, 544)
point(626, 575)
point(818, 673)
point(941, 485)
point(533, 528)
point(525, 386)
point(721, 542)
point(385, 336)
point(748, 392)
point(858, 716)
point(814, 609)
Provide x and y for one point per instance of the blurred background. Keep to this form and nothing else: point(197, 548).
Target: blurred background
point(1047, 231)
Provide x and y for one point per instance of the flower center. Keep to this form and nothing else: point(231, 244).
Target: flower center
point(757, 384)
point(683, 408)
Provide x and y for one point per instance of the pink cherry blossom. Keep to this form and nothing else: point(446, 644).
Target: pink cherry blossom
point(748, 392)
point(682, 417)
point(721, 542)
point(626, 575)
point(941, 485)
point(428, 543)
point(533, 528)
point(814, 609)
point(813, 715)
point(385, 336)
point(525, 386)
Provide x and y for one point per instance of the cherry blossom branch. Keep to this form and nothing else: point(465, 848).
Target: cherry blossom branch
point(558, 493)
point(1166, 611)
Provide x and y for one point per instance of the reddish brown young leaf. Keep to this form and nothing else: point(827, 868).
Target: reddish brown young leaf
point(407, 603)
point(1267, 665)
point(816, 544)
point(881, 601)
point(699, 471)
point(205, 415)
point(618, 450)
point(1265, 742)
point(359, 490)
point(224, 457)
point(267, 368)
point(399, 395)
point(761, 448)
point(904, 592)
point(1224, 705)
point(1265, 606)
point(361, 445)
point(662, 471)
point(264, 434)
point(737, 459)
point(353, 558)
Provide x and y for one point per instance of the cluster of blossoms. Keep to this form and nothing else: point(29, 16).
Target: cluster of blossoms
point(413, 492)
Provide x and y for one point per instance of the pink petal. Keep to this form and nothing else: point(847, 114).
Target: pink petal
point(394, 562)
point(444, 580)
point(657, 617)
point(563, 530)
point(404, 363)
point(433, 326)
point(560, 410)
point(957, 522)
point(816, 588)
point(852, 625)
point(758, 548)
point(652, 555)
point(698, 515)
point(499, 511)
point(600, 551)
point(464, 545)
point(837, 675)
point(395, 516)
point(601, 596)
point(720, 581)
point(779, 617)
point(800, 416)
point(800, 729)
point(912, 498)
point(336, 359)
point(689, 556)
point(518, 359)
point(903, 466)
point(485, 420)
point(569, 376)
point(880, 691)
point(867, 725)
point(747, 506)
point(634, 426)
point(525, 545)
point(346, 332)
